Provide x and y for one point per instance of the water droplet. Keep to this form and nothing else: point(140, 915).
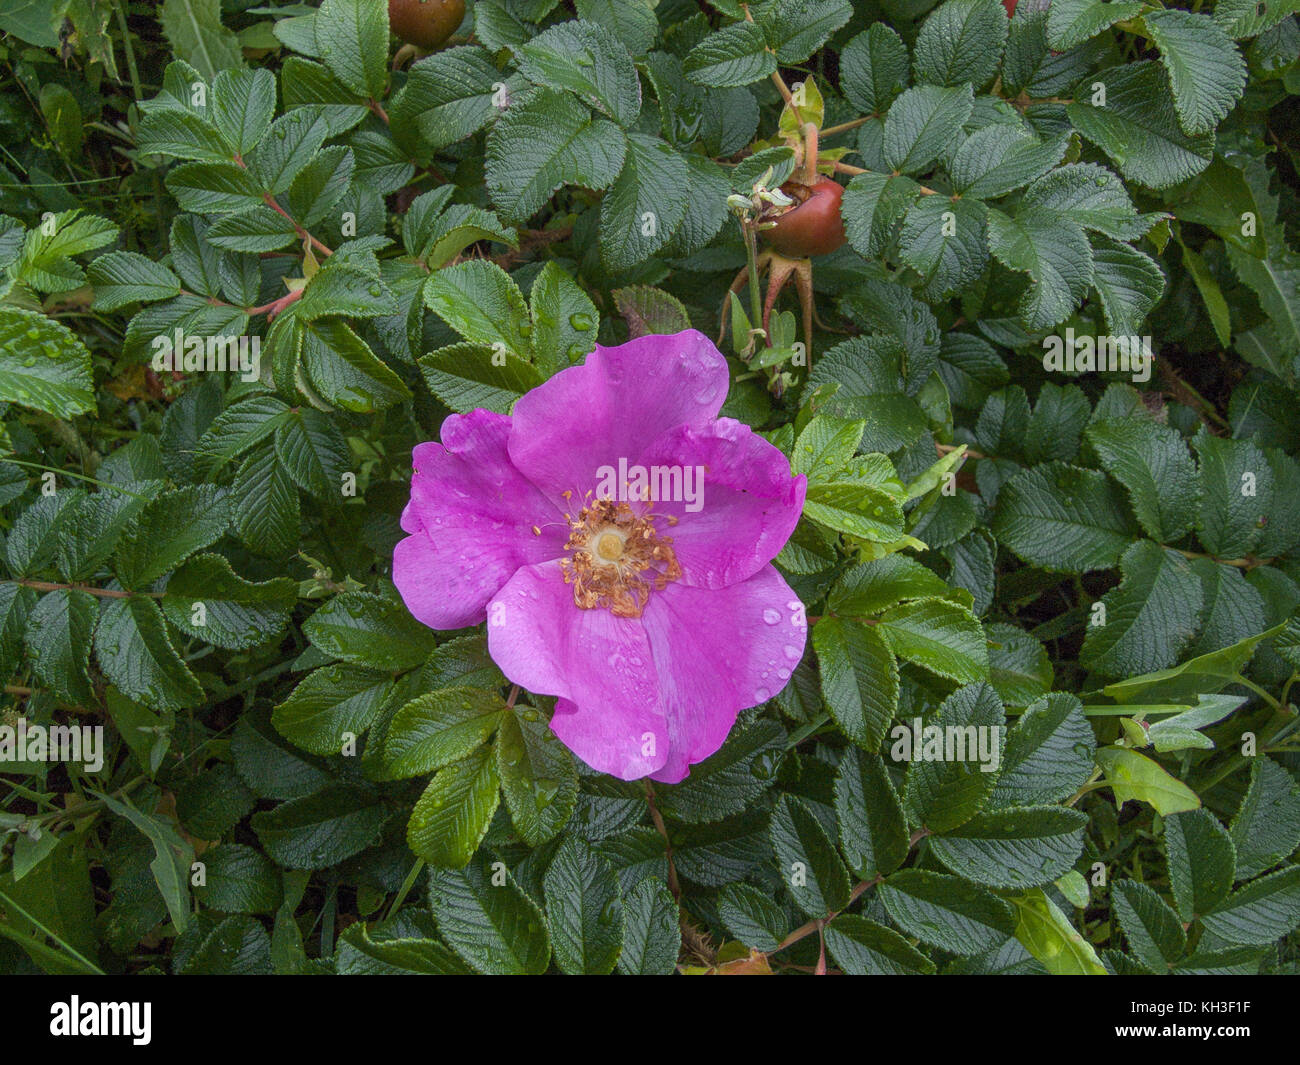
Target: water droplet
point(771, 616)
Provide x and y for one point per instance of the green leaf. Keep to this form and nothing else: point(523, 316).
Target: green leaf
point(583, 909)
point(652, 936)
point(1152, 462)
point(644, 207)
point(998, 159)
point(1236, 495)
point(313, 453)
point(874, 68)
point(169, 530)
point(634, 23)
point(369, 951)
point(1139, 128)
point(650, 310)
point(1062, 518)
point(1206, 72)
point(799, 28)
point(940, 635)
point(1048, 755)
point(944, 793)
point(1264, 910)
point(452, 816)
point(369, 630)
point(1202, 861)
point(439, 728)
point(1149, 618)
point(1027, 846)
point(195, 32)
point(482, 303)
point(1266, 827)
point(43, 365)
point(944, 241)
point(58, 642)
point(1048, 935)
point(538, 777)
point(172, 856)
point(465, 376)
point(243, 104)
point(946, 911)
point(136, 653)
point(588, 60)
point(448, 97)
point(1153, 930)
point(240, 879)
point(1071, 22)
point(321, 829)
point(237, 614)
point(859, 679)
point(752, 916)
point(730, 780)
point(1054, 253)
point(353, 39)
point(922, 124)
point(264, 505)
point(1134, 776)
point(331, 707)
point(490, 923)
point(124, 277)
point(734, 55)
point(807, 858)
point(865, 948)
point(873, 828)
point(961, 41)
point(544, 141)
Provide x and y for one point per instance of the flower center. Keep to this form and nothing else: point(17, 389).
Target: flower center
point(617, 558)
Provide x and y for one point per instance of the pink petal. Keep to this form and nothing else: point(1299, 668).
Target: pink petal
point(471, 518)
point(600, 666)
point(745, 510)
point(614, 406)
point(717, 652)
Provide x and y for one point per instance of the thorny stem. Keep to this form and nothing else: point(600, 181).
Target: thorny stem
point(844, 127)
point(269, 200)
point(674, 885)
point(103, 593)
point(818, 923)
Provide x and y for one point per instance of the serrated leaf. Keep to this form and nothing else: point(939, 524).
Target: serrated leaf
point(452, 816)
point(538, 776)
point(544, 141)
point(1139, 129)
point(1024, 847)
point(1202, 861)
point(584, 909)
point(1062, 518)
point(961, 41)
point(589, 60)
point(946, 911)
point(43, 365)
point(1206, 72)
point(944, 793)
point(1148, 618)
point(807, 858)
point(859, 679)
point(496, 929)
point(331, 707)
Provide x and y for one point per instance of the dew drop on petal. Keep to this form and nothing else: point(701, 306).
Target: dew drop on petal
point(771, 616)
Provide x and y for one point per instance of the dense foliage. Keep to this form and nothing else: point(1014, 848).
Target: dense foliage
point(1095, 570)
